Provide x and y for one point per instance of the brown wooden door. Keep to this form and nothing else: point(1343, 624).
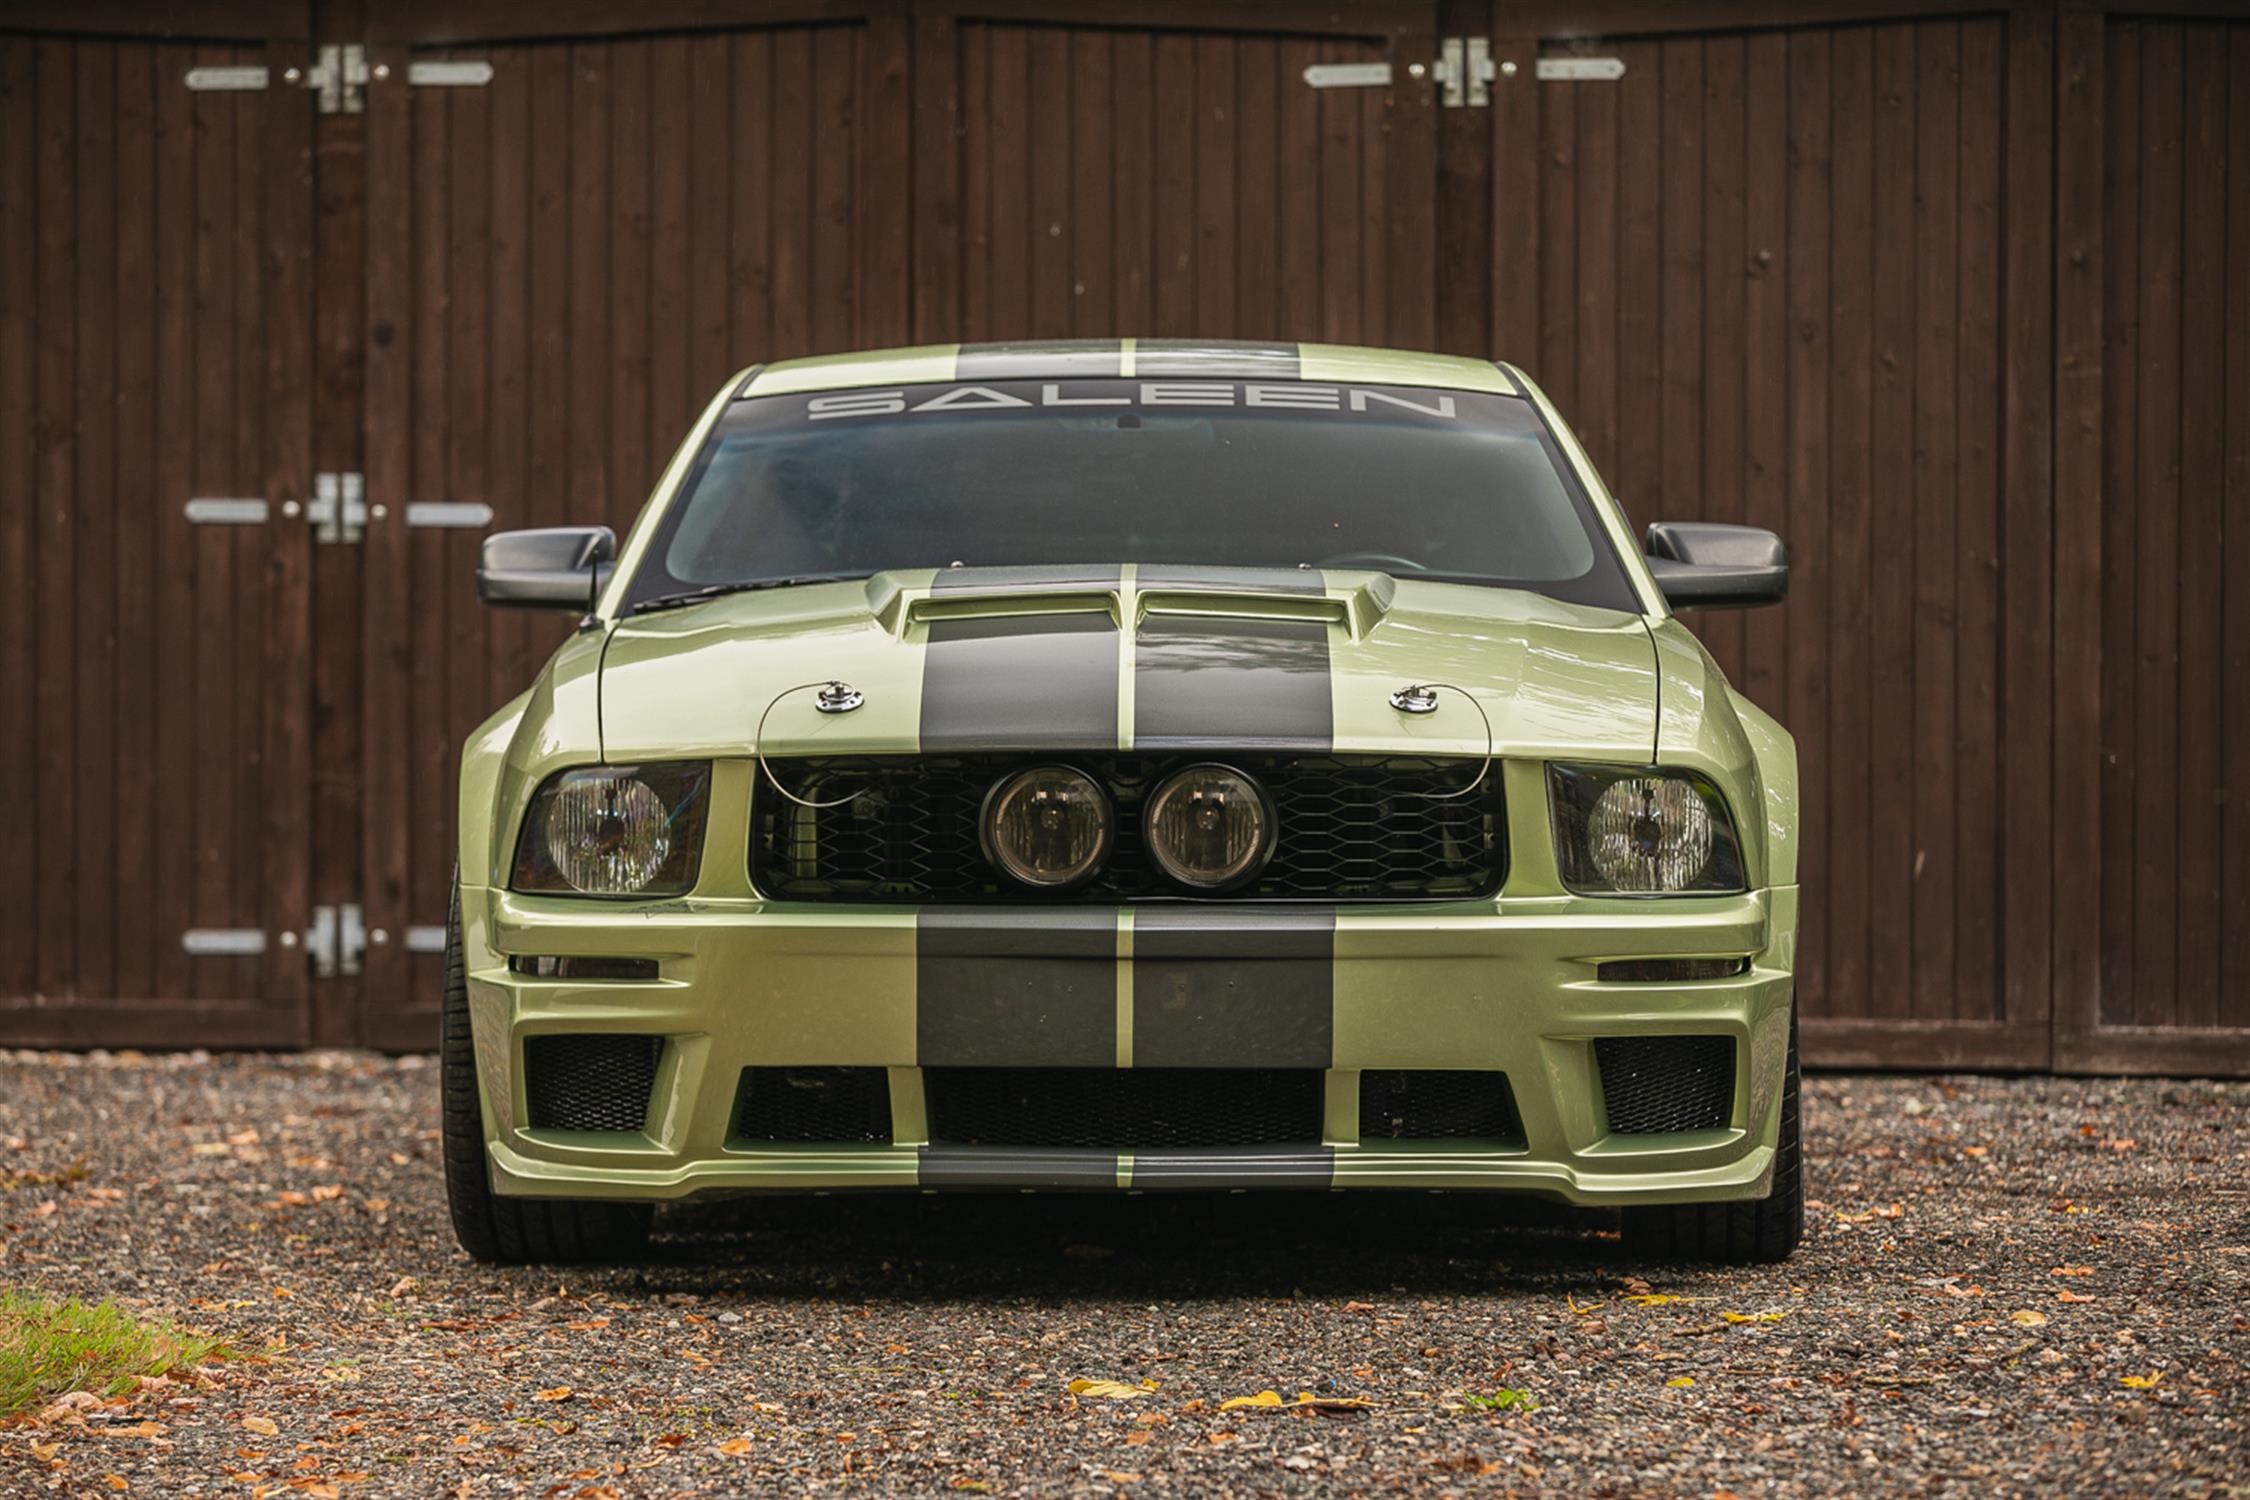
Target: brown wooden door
point(2154, 537)
point(1174, 173)
point(155, 350)
point(563, 265)
point(1798, 277)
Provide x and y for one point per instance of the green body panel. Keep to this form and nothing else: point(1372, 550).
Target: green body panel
point(1507, 984)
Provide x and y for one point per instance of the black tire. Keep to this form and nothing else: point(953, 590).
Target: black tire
point(510, 1231)
point(1753, 1231)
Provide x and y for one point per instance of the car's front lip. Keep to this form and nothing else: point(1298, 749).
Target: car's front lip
point(1506, 985)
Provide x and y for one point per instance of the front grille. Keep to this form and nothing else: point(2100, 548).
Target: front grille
point(1124, 1109)
point(1653, 1085)
point(814, 1105)
point(1436, 1104)
point(1350, 828)
point(590, 1080)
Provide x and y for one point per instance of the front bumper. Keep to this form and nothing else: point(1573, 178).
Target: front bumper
point(1507, 985)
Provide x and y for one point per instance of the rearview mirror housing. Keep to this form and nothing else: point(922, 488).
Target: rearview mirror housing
point(1707, 565)
point(552, 567)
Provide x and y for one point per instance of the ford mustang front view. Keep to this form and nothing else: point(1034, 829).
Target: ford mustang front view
point(1138, 765)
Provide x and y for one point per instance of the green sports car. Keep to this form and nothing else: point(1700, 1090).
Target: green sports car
point(1128, 765)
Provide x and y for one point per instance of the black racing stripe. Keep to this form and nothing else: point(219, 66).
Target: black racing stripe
point(1218, 359)
point(1233, 580)
point(1234, 986)
point(1015, 988)
point(1240, 681)
point(1236, 1167)
point(1041, 359)
point(1020, 682)
point(1016, 1166)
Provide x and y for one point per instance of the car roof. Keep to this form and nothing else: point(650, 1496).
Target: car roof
point(1143, 359)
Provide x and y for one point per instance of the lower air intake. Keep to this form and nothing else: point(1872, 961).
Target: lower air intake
point(1124, 1109)
point(1657, 1085)
point(590, 1080)
point(812, 1106)
point(1437, 1104)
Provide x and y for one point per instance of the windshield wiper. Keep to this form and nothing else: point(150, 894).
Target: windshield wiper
point(719, 590)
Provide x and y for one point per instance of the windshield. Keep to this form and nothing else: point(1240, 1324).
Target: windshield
point(1460, 486)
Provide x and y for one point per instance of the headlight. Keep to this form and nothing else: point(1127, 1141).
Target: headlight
point(1047, 827)
point(615, 831)
point(1209, 827)
point(1627, 831)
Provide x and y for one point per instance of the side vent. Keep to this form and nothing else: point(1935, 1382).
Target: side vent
point(590, 1080)
point(1660, 1085)
point(814, 1106)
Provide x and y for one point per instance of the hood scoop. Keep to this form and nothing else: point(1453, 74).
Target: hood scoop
point(1357, 600)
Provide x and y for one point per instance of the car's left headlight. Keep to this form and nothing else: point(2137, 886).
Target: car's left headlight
point(615, 831)
point(1640, 831)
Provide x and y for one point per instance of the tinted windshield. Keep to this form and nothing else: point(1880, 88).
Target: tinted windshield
point(1463, 486)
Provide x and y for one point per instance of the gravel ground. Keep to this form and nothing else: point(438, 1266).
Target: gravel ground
point(2013, 1286)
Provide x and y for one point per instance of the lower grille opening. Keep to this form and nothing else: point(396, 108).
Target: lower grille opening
point(579, 966)
point(1655, 1085)
point(1437, 1104)
point(814, 1105)
point(1669, 970)
point(1124, 1109)
point(590, 1080)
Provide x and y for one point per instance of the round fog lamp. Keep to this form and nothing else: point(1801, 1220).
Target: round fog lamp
point(1209, 827)
point(1649, 833)
point(1047, 827)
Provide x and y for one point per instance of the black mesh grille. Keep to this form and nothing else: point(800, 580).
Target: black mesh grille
point(1124, 1109)
point(814, 1104)
point(1436, 1104)
point(1350, 828)
point(1655, 1084)
point(590, 1080)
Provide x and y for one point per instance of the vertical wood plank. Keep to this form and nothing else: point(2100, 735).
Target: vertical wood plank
point(935, 82)
point(2234, 965)
point(507, 448)
point(173, 848)
point(1724, 274)
point(1259, 169)
point(1679, 346)
point(837, 123)
point(90, 569)
point(1515, 195)
point(2156, 633)
point(2121, 364)
point(1766, 340)
point(1376, 209)
point(19, 516)
point(1133, 228)
point(710, 149)
point(54, 451)
point(1407, 133)
point(139, 505)
point(1851, 724)
point(1465, 246)
point(976, 129)
point(1890, 859)
point(1297, 250)
point(468, 187)
point(1637, 476)
point(1807, 697)
point(252, 549)
point(880, 112)
point(1093, 238)
point(2081, 139)
point(216, 764)
point(2200, 792)
point(750, 229)
point(1340, 199)
point(1977, 843)
point(1214, 185)
point(1559, 252)
point(423, 738)
point(1008, 126)
point(2026, 519)
point(1050, 185)
point(1937, 318)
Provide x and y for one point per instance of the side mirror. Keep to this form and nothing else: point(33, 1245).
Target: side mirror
point(1704, 565)
point(553, 567)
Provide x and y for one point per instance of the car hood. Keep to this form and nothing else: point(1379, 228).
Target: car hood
point(1153, 659)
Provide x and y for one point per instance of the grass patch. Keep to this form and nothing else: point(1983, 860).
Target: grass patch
point(49, 1348)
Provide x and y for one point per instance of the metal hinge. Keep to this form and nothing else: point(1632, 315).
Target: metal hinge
point(1464, 72)
point(337, 940)
point(338, 511)
point(338, 78)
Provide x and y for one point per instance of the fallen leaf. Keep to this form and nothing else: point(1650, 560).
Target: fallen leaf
point(1678, 1381)
point(1660, 1299)
point(116, 1481)
point(2070, 1296)
point(1764, 1317)
point(1138, 1436)
point(555, 1393)
point(1119, 1476)
point(1306, 1401)
point(1107, 1390)
point(2072, 1271)
point(262, 1426)
point(45, 1452)
point(1224, 1437)
point(2027, 1317)
point(735, 1447)
point(2141, 1382)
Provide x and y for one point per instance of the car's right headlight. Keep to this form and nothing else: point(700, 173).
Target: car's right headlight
point(634, 831)
point(1640, 831)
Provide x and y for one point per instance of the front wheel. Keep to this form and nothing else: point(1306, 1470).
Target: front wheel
point(1760, 1231)
point(510, 1231)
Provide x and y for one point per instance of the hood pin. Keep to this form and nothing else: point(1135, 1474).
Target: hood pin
point(1415, 698)
point(838, 698)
